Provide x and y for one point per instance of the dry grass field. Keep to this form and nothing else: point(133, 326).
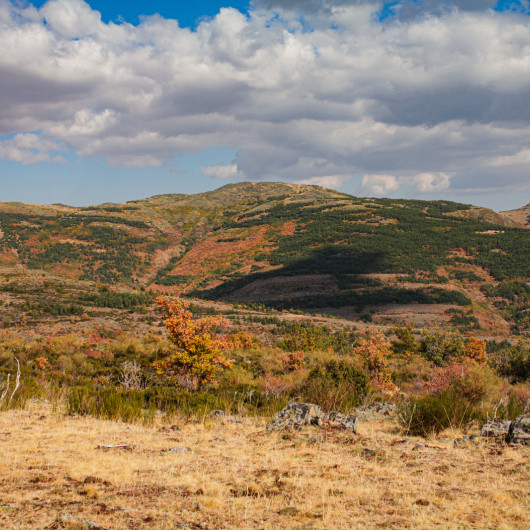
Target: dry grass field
point(238, 475)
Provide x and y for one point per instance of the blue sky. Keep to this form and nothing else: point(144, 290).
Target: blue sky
point(409, 98)
point(187, 13)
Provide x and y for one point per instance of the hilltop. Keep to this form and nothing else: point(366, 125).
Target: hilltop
point(290, 247)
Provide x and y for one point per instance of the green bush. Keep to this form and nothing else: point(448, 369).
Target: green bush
point(433, 413)
point(514, 363)
point(457, 395)
point(336, 386)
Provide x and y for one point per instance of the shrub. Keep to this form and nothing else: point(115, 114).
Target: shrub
point(405, 343)
point(336, 386)
point(432, 413)
point(514, 363)
point(455, 396)
point(439, 348)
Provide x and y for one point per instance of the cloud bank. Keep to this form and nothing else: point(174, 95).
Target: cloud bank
point(427, 102)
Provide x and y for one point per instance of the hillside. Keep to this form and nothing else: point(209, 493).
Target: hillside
point(290, 246)
point(520, 216)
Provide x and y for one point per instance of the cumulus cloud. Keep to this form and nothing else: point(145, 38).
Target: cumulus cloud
point(379, 184)
point(429, 182)
point(445, 93)
point(29, 149)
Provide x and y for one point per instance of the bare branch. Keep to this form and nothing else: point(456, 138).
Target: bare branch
point(6, 389)
point(17, 382)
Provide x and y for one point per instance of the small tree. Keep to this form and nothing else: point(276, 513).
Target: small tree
point(199, 356)
point(405, 343)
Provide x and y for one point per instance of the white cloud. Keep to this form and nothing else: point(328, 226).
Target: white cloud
point(223, 172)
point(328, 181)
point(379, 184)
point(437, 95)
point(430, 182)
point(29, 149)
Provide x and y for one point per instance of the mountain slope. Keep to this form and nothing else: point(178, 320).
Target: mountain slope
point(521, 216)
point(287, 246)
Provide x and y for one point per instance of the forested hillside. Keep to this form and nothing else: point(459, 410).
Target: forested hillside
point(289, 246)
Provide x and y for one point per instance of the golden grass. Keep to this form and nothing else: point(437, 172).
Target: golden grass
point(237, 475)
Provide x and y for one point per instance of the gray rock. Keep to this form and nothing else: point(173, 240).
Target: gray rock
point(496, 429)
point(519, 431)
point(375, 411)
point(296, 415)
point(348, 421)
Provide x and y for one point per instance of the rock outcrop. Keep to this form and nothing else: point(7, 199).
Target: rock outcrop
point(515, 432)
point(296, 415)
point(519, 431)
point(495, 429)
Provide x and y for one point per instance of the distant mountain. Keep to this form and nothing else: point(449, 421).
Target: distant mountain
point(284, 245)
point(521, 216)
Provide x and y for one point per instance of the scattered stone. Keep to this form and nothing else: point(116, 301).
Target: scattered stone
point(66, 520)
point(519, 431)
point(176, 449)
point(496, 429)
point(219, 439)
point(218, 413)
point(297, 415)
point(369, 452)
point(290, 510)
point(173, 428)
point(126, 447)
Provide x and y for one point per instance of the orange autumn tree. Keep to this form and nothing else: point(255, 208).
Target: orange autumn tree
point(198, 356)
point(374, 350)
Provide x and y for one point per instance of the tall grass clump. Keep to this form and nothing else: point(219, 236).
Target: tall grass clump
point(108, 403)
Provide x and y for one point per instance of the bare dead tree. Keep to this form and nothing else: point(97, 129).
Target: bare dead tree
point(131, 376)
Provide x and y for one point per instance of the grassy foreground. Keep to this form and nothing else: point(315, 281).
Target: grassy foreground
point(237, 475)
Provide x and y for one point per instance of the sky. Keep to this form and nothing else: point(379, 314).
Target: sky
point(115, 101)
